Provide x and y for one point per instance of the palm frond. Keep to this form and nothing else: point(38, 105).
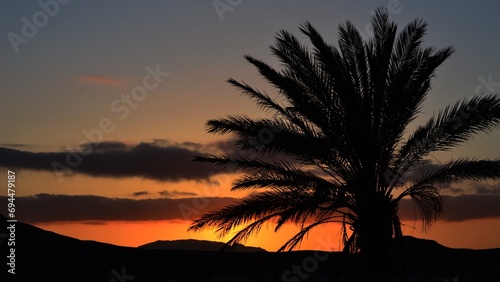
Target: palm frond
point(460, 169)
point(338, 118)
point(261, 99)
point(429, 202)
point(299, 236)
point(425, 190)
point(254, 207)
point(455, 124)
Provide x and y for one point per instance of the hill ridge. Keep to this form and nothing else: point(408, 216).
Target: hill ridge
point(199, 245)
point(39, 253)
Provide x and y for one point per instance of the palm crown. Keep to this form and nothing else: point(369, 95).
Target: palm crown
point(335, 148)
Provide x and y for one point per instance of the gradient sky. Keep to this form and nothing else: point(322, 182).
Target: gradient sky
point(66, 78)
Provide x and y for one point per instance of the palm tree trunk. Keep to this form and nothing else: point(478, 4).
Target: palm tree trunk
point(374, 229)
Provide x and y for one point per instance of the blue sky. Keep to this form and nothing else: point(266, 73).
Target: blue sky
point(200, 48)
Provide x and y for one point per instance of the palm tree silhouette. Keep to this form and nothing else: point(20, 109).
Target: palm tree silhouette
point(336, 148)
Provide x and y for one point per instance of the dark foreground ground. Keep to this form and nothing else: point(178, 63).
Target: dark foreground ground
point(46, 256)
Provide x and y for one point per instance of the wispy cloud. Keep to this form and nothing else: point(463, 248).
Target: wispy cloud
point(175, 193)
point(100, 80)
point(140, 193)
point(103, 146)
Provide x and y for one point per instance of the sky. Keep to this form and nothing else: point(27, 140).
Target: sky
point(104, 105)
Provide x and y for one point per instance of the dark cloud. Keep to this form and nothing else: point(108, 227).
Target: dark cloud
point(103, 146)
point(226, 147)
point(161, 161)
point(186, 145)
point(94, 222)
point(455, 190)
point(140, 193)
point(95, 209)
point(175, 193)
point(460, 208)
point(418, 170)
point(486, 189)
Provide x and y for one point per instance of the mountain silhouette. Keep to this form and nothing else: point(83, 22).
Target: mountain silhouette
point(197, 245)
point(47, 256)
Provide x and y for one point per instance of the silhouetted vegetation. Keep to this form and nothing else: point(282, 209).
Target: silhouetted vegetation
point(336, 148)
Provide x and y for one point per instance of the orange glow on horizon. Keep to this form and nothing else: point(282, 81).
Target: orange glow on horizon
point(471, 234)
point(133, 234)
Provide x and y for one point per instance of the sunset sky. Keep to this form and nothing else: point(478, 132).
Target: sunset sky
point(104, 104)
